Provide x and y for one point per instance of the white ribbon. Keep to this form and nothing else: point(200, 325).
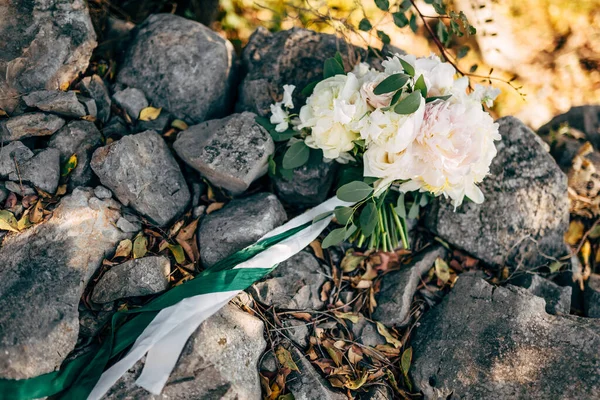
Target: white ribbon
point(164, 338)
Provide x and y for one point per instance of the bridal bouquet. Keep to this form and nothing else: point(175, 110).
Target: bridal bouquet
point(403, 135)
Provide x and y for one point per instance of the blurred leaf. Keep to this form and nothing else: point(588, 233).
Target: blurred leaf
point(473, 68)
point(272, 166)
point(406, 360)
point(149, 114)
point(24, 222)
point(354, 192)
point(332, 67)
point(365, 25)
point(296, 155)
point(140, 246)
point(8, 222)
point(400, 19)
point(383, 331)
point(462, 52)
point(383, 5)
point(352, 317)
point(434, 98)
point(442, 271)
point(124, 248)
point(413, 23)
point(178, 253)
point(179, 124)
point(442, 32)
point(439, 7)
point(595, 232)
point(69, 166)
point(308, 89)
point(384, 37)
point(413, 213)
point(37, 214)
point(357, 384)
point(350, 262)
point(285, 358)
point(400, 207)
point(575, 232)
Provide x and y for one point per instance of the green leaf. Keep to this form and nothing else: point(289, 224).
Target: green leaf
point(337, 236)
point(384, 37)
point(400, 207)
point(462, 52)
point(473, 68)
point(321, 216)
point(406, 360)
point(332, 67)
point(354, 191)
point(370, 180)
point(308, 89)
point(178, 253)
point(410, 104)
point(442, 32)
point(338, 58)
point(69, 166)
point(8, 222)
point(272, 166)
point(413, 23)
point(434, 98)
point(409, 69)
point(400, 19)
point(287, 174)
point(391, 83)
point(343, 214)
point(421, 86)
point(382, 4)
point(413, 213)
point(365, 25)
point(439, 7)
point(369, 219)
point(471, 30)
point(296, 156)
point(404, 6)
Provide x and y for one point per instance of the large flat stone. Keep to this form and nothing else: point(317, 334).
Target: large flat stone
point(231, 152)
point(56, 101)
point(43, 272)
point(46, 44)
point(30, 125)
point(526, 209)
point(485, 342)
point(308, 185)
point(182, 66)
point(237, 225)
point(142, 173)
point(41, 171)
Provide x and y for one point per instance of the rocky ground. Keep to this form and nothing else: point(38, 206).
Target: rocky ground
point(124, 177)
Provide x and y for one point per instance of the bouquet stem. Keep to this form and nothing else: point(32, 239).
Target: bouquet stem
point(401, 228)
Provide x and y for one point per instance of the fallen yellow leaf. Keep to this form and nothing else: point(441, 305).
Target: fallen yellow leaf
point(575, 232)
point(149, 114)
point(124, 248)
point(383, 331)
point(140, 246)
point(285, 358)
point(8, 222)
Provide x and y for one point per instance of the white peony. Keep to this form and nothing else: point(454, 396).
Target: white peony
point(438, 75)
point(453, 151)
point(333, 113)
point(393, 131)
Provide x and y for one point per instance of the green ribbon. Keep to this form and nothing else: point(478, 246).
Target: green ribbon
point(77, 377)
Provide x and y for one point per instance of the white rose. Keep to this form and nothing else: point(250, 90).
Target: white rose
point(375, 100)
point(453, 150)
point(393, 131)
point(332, 138)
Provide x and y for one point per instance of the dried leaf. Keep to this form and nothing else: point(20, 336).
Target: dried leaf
point(586, 250)
point(325, 290)
point(178, 253)
point(64, 86)
point(350, 262)
point(347, 315)
point(124, 248)
point(140, 246)
point(285, 358)
point(383, 331)
point(302, 316)
point(188, 231)
point(62, 189)
point(179, 124)
point(176, 227)
point(406, 360)
point(362, 284)
point(442, 271)
point(317, 249)
point(356, 384)
point(69, 166)
point(37, 214)
point(24, 222)
point(214, 207)
point(8, 222)
point(355, 355)
point(575, 232)
point(336, 355)
point(149, 114)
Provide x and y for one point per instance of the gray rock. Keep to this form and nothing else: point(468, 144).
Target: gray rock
point(20, 189)
point(181, 66)
point(558, 298)
point(295, 57)
point(132, 100)
point(137, 277)
point(494, 342)
point(3, 192)
point(126, 226)
point(102, 193)
point(583, 118)
point(30, 125)
point(141, 172)
point(43, 272)
point(295, 283)
point(51, 42)
point(237, 225)
point(526, 209)
point(399, 287)
point(308, 186)
point(231, 152)
point(11, 153)
point(307, 384)
point(56, 101)
point(91, 323)
point(94, 87)
point(90, 106)
point(365, 332)
point(159, 124)
point(219, 361)
point(41, 171)
point(80, 138)
point(377, 392)
point(115, 127)
point(297, 331)
point(591, 296)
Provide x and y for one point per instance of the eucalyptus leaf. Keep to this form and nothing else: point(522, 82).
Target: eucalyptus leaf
point(421, 86)
point(354, 191)
point(409, 69)
point(296, 156)
point(337, 236)
point(343, 214)
point(368, 219)
point(332, 67)
point(338, 58)
point(413, 213)
point(391, 83)
point(308, 89)
point(282, 136)
point(321, 216)
point(400, 207)
point(409, 104)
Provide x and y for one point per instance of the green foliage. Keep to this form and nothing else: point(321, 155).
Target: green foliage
point(332, 67)
point(296, 155)
point(391, 83)
point(383, 5)
point(421, 86)
point(409, 104)
point(365, 25)
point(384, 37)
point(354, 191)
point(400, 19)
point(369, 218)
